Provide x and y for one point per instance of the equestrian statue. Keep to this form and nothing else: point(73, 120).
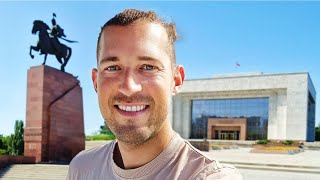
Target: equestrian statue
point(49, 43)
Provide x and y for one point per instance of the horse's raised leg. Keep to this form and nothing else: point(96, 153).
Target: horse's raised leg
point(59, 59)
point(33, 48)
point(45, 59)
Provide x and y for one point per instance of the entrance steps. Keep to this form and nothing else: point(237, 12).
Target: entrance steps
point(34, 172)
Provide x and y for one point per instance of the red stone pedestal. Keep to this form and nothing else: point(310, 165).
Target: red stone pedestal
point(54, 120)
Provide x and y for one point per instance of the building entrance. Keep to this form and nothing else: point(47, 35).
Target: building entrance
point(227, 135)
point(226, 128)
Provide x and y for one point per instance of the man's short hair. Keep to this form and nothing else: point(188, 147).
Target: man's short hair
point(130, 16)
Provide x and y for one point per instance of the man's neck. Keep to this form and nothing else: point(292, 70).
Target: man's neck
point(129, 156)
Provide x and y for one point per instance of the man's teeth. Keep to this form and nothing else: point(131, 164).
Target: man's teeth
point(132, 108)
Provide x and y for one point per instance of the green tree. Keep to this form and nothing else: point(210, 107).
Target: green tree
point(4, 141)
point(16, 144)
point(3, 145)
point(1, 141)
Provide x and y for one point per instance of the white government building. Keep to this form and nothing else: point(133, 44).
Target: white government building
point(247, 106)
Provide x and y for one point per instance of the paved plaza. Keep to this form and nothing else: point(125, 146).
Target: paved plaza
point(308, 158)
point(254, 174)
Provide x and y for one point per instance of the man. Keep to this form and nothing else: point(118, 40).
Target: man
point(135, 79)
point(56, 32)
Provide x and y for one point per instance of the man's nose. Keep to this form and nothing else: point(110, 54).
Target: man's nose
point(129, 84)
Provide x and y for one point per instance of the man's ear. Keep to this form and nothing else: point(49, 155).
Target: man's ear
point(178, 79)
point(94, 73)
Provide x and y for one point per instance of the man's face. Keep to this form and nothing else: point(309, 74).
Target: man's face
point(135, 80)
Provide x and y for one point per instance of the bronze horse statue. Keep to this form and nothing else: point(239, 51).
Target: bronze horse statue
point(48, 45)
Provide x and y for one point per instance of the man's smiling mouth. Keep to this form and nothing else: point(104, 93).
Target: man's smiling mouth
point(132, 108)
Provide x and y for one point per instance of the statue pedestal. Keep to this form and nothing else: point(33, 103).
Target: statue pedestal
point(54, 119)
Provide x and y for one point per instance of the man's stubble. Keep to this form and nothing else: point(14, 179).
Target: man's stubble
point(129, 133)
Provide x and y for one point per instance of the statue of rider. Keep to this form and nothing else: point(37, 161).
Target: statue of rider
point(56, 32)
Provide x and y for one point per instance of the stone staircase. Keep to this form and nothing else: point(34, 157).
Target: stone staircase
point(34, 172)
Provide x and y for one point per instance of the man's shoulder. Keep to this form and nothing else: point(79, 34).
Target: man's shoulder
point(223, 172)
point(209, 168)
point(197, 154)
point(91, 163)
point(92, 155)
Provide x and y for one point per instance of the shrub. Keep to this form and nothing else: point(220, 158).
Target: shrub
point(263, 141)
point(287, 142)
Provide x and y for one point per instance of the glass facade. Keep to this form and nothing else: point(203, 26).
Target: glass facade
point(255, 110)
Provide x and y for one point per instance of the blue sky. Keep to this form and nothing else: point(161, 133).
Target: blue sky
point(269, 37)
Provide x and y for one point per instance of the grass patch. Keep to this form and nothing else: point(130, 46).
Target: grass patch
point(100, 137)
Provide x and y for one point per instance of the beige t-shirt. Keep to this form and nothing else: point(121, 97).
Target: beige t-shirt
point(179, 160)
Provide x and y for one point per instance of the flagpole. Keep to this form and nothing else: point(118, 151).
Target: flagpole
point(237, 65)
point(235, 69)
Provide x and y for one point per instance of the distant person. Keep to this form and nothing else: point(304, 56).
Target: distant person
point(301, 146)
point(135, 79)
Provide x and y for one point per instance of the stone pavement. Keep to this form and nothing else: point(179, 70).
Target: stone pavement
point(307, 161)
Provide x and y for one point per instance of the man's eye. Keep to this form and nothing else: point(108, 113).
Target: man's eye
point(148, 67)
point(113, 68)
